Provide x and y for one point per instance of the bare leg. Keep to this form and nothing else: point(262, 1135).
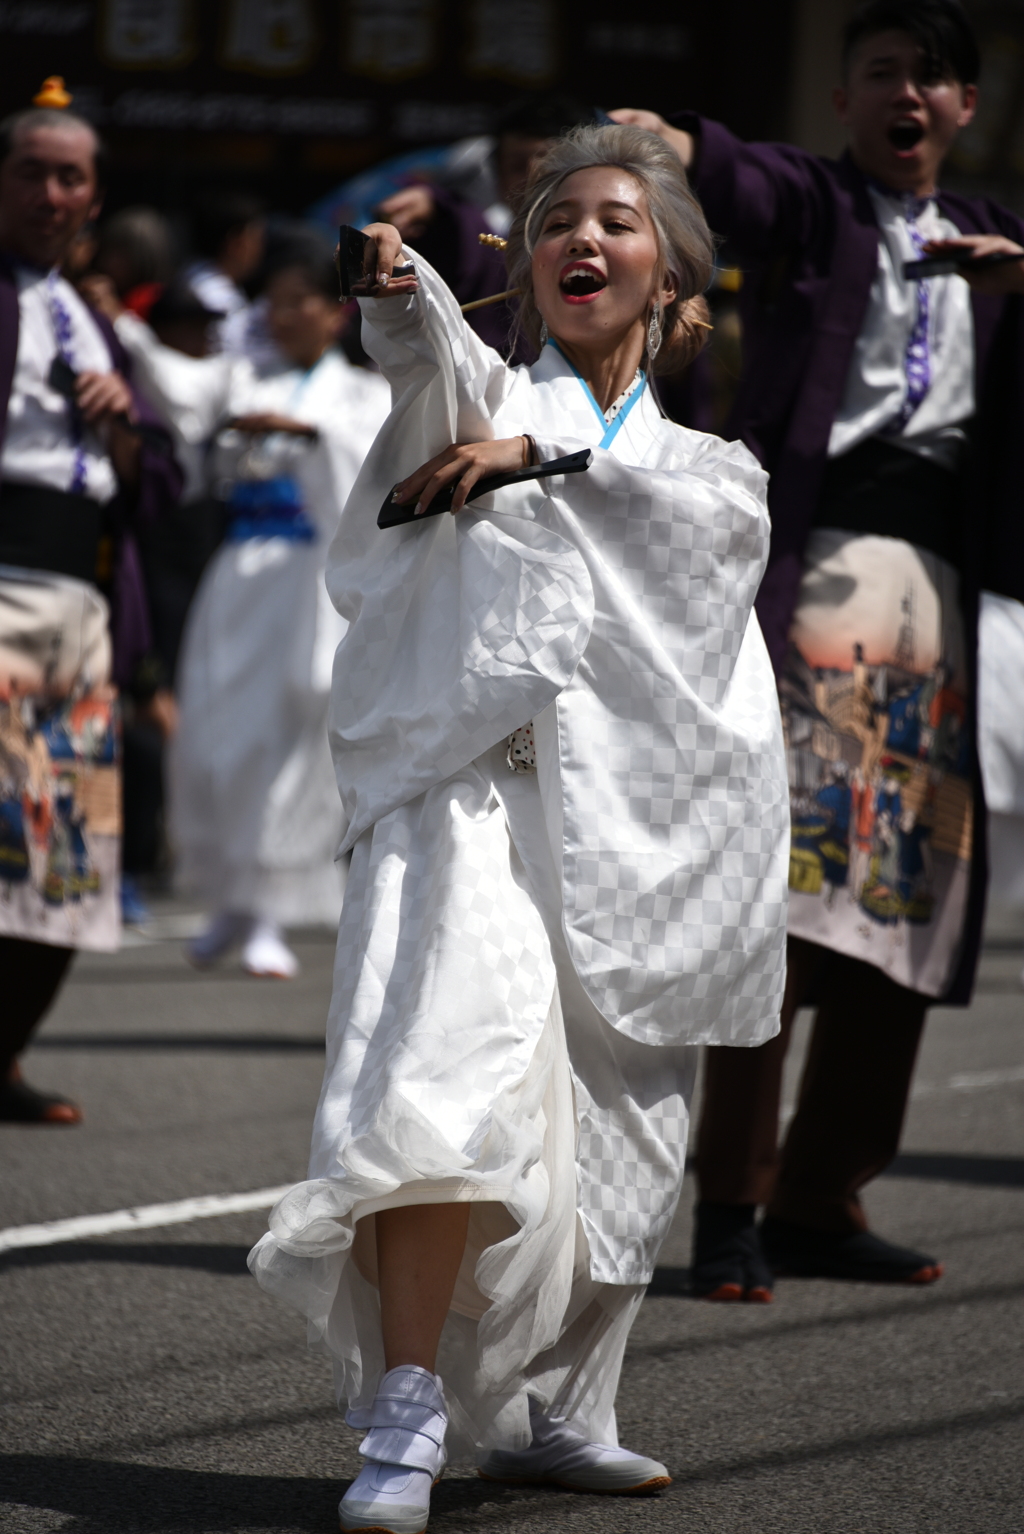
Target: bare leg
point(419, 1249)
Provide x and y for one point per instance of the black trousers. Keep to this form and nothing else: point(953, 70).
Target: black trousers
point(851, 1104)
point(30, 977)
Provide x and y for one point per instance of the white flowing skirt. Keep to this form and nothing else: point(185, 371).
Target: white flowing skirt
point(465, 1062)
point(255, 818)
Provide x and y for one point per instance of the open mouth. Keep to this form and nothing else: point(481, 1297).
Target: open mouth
point(581, 282)
point(905, 135)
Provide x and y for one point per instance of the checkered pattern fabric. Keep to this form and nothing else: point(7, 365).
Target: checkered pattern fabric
point(624, 596)
point(443, 981)
point(449, 951)
point(632, 1109)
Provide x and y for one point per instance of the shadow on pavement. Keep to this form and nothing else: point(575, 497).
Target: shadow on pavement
point(984, 1171)
point(255, 1043)
point(902, 1301)
point(112, 1497)
point(159, 974)
point(206, 1257)
point(106, 1496)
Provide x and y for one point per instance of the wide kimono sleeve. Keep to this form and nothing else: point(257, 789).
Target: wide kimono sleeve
point(193, 395)
point(445, 382)
point(662, 761)
point(460, 630)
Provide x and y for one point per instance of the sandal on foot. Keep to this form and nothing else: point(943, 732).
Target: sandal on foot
point(800, 1252)
point(22, 1104)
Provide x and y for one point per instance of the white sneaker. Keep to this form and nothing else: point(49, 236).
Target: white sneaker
point(226, 929)
point(404, 1449)
point(267, 955)
point(560, 1456)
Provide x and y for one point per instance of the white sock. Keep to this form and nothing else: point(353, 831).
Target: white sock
point(267, 953)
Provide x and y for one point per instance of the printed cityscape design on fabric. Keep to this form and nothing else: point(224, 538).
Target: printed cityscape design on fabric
point(878, 753)
point(59, 811)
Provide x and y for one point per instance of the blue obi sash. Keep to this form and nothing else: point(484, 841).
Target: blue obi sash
point(268, 508)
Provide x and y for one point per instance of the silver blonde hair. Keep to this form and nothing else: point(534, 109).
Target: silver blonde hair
point(686, 245)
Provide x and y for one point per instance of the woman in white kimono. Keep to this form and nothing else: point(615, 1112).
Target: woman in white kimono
point(255, 818)
point(537, 931)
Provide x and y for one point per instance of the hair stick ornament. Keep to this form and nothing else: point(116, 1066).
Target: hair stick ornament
point(495, 298)
point(495, 242)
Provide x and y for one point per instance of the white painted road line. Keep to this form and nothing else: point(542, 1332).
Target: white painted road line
point(144, 1217)
point(971, 1081)
point(147, 1216)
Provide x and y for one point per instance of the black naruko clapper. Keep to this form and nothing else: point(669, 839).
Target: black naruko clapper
point(393, 515)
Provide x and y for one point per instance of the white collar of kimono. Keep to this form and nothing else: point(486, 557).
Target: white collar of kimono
point(553, 362)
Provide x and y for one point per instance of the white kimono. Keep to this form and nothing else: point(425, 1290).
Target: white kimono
point(254, 815)
point(526, 960)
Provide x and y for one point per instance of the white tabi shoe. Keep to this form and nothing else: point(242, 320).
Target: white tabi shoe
point(225, 931)
point(404, 1452)
point(560, 1456)
point(266, 954)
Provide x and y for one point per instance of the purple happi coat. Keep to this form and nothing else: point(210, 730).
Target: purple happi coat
point(159, 488)
point(803, 230)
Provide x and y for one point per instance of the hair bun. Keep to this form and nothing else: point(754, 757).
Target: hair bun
point(690, 328)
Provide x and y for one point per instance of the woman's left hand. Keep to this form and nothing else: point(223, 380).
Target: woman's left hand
point(466, 462)
point(996, 280)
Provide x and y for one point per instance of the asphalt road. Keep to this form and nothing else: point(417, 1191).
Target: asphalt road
point(147, 1384)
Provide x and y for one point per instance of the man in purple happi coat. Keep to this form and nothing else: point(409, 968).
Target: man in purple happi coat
point(75, 475)
point(884, 408)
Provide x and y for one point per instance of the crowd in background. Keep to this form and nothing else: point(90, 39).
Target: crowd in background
point(199, 279)
point(229, 320)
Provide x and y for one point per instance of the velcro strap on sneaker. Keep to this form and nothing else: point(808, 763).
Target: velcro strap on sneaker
point(415, 1448)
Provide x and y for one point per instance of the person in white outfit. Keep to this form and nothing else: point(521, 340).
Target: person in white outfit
point(1001, 742)
point(561, 765)
point(254, 814)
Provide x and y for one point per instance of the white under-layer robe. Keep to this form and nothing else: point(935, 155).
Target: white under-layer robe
point(526, 960)
point(254, 813)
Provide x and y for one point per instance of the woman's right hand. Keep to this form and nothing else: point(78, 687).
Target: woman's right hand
point(389, 255)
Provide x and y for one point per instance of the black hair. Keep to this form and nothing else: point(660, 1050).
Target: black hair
point(304, 250)
point(547, 114)
point(142, 237)
point(52, 117)
point(219, 215)
point(939, 27)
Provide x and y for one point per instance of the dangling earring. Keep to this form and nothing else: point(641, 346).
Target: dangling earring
point(543, 332)
point(654, 333)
